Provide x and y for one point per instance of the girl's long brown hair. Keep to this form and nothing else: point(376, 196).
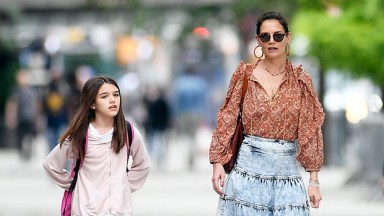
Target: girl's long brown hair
point(78, 126)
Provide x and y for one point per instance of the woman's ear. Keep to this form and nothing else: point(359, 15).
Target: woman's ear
point(93, 106)
point(258, 40)
point(289, 36)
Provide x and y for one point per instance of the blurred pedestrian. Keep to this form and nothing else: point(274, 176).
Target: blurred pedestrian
point(81, 75)
point(382, 179)
point(280, 107)
point(189, 104)
point(21, 113)
point(55, 106)
point(99, 127)
point(156, 124)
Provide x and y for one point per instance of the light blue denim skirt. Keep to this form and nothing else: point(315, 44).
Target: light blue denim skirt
point(265, 181)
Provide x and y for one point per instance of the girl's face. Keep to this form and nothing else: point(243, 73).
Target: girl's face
point(107, 101)
point(278, 38)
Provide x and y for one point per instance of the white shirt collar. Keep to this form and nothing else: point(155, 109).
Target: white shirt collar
point(94, 137)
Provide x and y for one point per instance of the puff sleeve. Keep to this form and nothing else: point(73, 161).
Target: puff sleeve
point(310, 153)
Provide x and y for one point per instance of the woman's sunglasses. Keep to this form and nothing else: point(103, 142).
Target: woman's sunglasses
point(278, 37)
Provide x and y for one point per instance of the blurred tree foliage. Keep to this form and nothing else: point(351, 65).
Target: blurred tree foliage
point(241, 8)
point(345, 35)
point(110, 4)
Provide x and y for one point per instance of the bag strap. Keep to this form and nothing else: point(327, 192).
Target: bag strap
point(247, 73)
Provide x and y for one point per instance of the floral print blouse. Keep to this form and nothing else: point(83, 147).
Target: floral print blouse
point(294, 113)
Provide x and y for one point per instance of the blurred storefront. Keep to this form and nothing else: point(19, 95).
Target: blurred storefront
point(114, 40)
point(354, 127)
point(138, 44)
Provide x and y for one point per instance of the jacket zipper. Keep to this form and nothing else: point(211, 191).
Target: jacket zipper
point(110, 185)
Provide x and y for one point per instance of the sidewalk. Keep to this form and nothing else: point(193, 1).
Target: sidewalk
point(25, 190)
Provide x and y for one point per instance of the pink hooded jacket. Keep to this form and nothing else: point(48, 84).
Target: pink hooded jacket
point(103, 186)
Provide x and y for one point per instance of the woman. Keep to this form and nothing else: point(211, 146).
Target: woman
point(280, 106)
point(103, 186)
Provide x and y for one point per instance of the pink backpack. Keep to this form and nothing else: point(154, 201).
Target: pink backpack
point(66, 203)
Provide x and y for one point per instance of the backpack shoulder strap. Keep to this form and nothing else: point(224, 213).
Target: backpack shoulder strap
point(79, 163)
point(129, 140)
point(129, 133)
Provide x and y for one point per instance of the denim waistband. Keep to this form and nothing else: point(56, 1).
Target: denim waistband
point(262, 139)
point(266, 145)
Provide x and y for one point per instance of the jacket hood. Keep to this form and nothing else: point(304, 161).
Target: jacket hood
point(94, 137)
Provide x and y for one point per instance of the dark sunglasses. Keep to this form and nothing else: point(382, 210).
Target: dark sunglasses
point(278, 37)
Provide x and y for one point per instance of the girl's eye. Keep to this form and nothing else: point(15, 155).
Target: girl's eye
point(103, 96)
point(116, 95)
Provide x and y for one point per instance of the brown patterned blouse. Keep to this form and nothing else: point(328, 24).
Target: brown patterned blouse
point(294, 113)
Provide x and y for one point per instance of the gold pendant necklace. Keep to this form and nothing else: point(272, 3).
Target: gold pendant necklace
point(274, 93)
point(272, 98)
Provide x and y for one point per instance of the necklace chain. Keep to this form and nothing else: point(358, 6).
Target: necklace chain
point(274, 74)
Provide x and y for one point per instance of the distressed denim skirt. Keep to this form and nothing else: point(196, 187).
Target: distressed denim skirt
point(265, 181)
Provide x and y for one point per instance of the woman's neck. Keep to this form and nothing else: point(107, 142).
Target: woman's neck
point(275, 65)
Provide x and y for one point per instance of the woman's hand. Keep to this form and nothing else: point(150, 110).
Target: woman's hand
point(314, 189)
point(314, 196)
point(218, 178)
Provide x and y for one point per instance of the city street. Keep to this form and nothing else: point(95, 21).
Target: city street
point(25, 190)
point(176, 70)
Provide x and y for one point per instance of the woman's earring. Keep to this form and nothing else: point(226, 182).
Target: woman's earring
point(255, 52)
point(287, 49)
point(92, 107)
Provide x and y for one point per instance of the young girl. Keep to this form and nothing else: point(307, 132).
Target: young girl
point(103, 186)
